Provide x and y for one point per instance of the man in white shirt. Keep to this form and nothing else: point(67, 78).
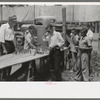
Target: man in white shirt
point(7, 39)
point(55, 41)
point(7, 34)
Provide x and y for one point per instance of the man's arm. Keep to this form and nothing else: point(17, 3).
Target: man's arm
point(45, 37)
point(1, 49)
point(27, 38)
point(2, 38)
point(2, 34)
point(31, 45)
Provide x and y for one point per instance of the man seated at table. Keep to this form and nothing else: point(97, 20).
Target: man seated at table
point(55, 41)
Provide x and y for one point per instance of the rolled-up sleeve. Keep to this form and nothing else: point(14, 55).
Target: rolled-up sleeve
point(2, 34)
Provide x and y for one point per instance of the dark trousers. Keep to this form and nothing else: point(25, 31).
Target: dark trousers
point(1, 49)
point(62, 60)
point(34, 70)
point(9, 45)
point(55, 62)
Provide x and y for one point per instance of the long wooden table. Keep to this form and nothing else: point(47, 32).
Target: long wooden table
point(13, 59)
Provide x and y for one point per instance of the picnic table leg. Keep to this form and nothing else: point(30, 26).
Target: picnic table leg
point(31, 70)
point(43, 61)
point(6, 72)
point(28, 73)
point(1, 75)
point(34, 70)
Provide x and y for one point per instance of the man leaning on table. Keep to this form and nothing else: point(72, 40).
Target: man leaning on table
point(55, 41)
point(7, 38)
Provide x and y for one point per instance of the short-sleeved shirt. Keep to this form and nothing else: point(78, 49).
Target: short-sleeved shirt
point(85, 42)
point(6, 33)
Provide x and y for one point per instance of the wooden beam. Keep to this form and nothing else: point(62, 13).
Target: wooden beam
point(64, 21)
point(95, 27)
point(1, 13)
point(65, 36)
point(99, 39)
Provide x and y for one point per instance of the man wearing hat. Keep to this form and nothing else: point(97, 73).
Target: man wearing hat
point(55, 41)
point(7, 36)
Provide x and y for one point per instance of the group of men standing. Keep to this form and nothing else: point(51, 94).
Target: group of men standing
point(56, 43)
point(80, 49)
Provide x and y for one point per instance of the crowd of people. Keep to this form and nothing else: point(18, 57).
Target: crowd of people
point(80, 53)
point(79, 48)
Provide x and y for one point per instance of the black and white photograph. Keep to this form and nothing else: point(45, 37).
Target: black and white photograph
point(49, 42)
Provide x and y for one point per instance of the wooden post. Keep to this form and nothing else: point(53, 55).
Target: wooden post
point(1, 12)
point(99, 38)
point(63, 54)
point(34, 12)
point(65, 36)
point(95, 27)
point(64, 21)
